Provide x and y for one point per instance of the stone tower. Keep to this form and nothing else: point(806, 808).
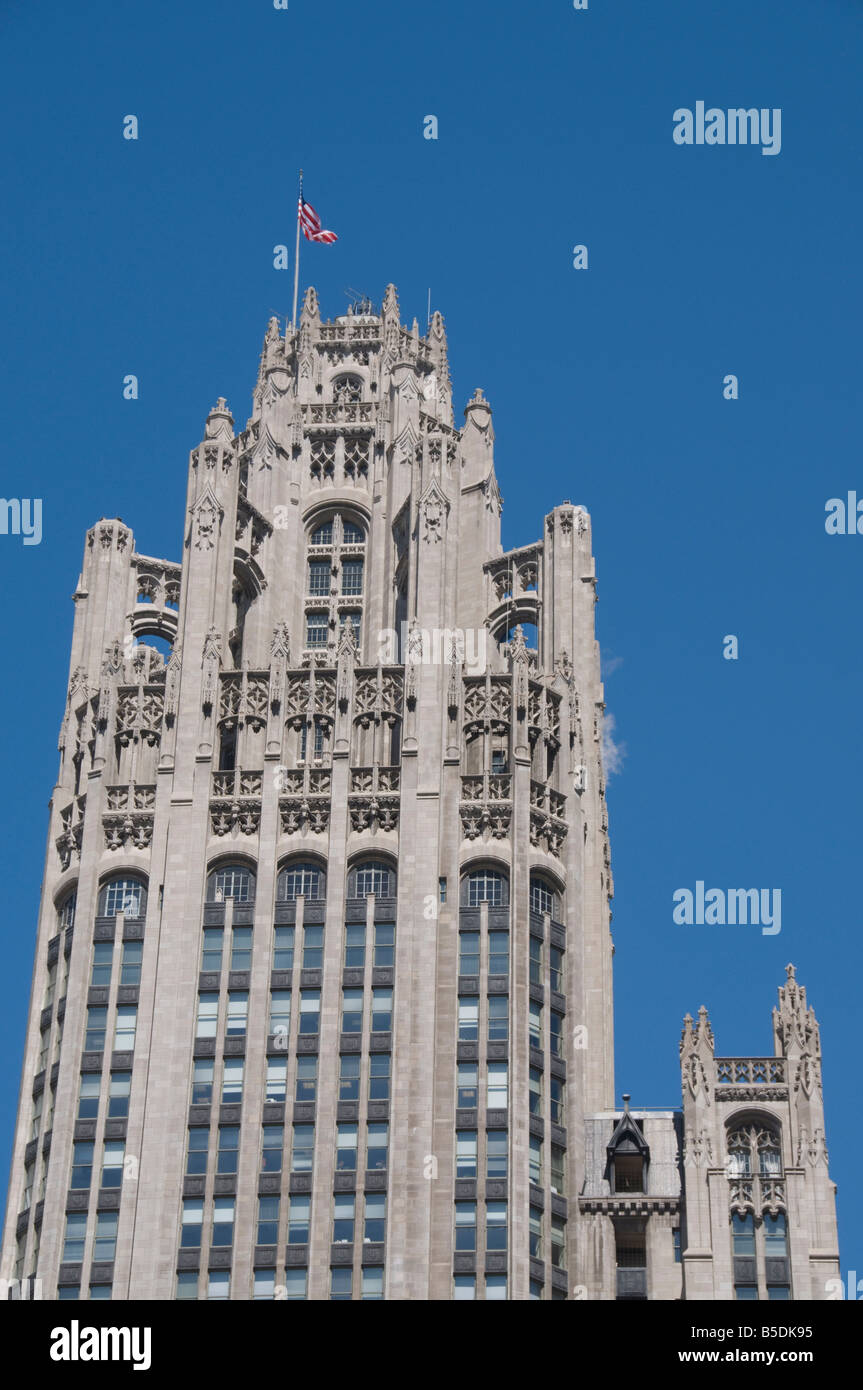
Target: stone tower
point(322, 1001)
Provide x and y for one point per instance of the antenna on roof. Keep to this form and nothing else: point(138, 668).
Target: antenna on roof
point(359, 302)
point(428, 315)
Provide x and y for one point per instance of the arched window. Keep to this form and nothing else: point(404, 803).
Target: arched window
point(66, 911)
point(301, 881)
point(126, 895)
point(352, 534)
point(322, 535)
point(235, 881)
point(373, 877)
point(486, 886)
point(543, 897)
point(347, 388)
point(754, 1148)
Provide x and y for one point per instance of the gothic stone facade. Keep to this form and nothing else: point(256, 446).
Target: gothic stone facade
point(322, 1002)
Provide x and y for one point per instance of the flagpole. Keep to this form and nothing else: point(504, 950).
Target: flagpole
point(297, 257)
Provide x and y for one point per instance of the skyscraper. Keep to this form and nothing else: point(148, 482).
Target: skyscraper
point(322, 1001)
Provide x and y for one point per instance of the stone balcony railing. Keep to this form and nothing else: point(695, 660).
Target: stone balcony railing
point(237, 783)
point(131, 798)
point(375, 779)
point(545, 798)
point(487, 786)
point(750, 1071)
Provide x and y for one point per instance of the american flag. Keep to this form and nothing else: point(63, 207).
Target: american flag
point(311, 224)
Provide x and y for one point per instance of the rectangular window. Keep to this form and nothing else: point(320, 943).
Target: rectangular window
point(465, 1153)
point(124, 1029)
point(130, 967)
point(352, 1011)
point(295, 1283)
point(558, 1242)
point(468, 1018)
point(238, 1013)
point(464, 1288)
point(88, 1096)
point(341, 1285)
point(313, 948)
point(534, 1024)
point(268, 1220)
point(373, 1283)
point(218, 1286)
point(208, 1016)
point(227, 1160)
point(211, 955)
point(467, 1083)
point(376, 1150)
point(202, 1082)
point(76, 1232)
point(223, 1221)
point(385, 945)
point(535, 1160)
point(498, 953)
point(498, 1017)
point(558, 1170)
point(557, 1102)
point(499, 762)
point(535, 1233)
point(496, 1098)
point(187, 1284)
point(112, 1162)
point(535, 961)
point(232, 1081)
point(105, 1243)
point(118, 1094)
point(355, 946)
point(352, 576)
point(675, 1238)
point(555, 968)
point(272, 1144)
point(775, 1243)
point(316, 629)
point(743, 1233)
point(97, 1023)
point(379, 1076)
point(307, 1079)
point(556, 1040)
point(319, 578)
point(280, 1013)
point(374, 1230)
point(241, 948)
point(192, 1223)
point(349, 1078)
point(382, 1010)
point(497, 1153)
point(82, 1167)
point(310, 1011)
point(535, 1090)
point(303, 1152)
point(468, 953)
point(746, 1293)
point(299, 1216)
point(196, 1154)
point(465, 1226)
point(343, 1218)
point(277, 1076)
point(346, 1148)
point(495, 1288)
point(283, 954)
point(495, 1225)
point(264, 1287)
point(103, 956)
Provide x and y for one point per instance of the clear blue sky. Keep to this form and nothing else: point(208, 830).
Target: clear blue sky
point(555, 128)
